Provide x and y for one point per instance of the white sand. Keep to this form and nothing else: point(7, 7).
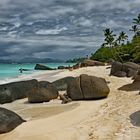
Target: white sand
point(106, 119)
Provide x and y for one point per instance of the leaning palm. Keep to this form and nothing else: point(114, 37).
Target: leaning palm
point(109, 41)
point(108, 32)
point(137, 20)
point(134, 29)
point(122, 37)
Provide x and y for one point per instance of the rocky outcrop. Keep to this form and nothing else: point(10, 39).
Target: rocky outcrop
point(74, 89)
point(34, 90)
point(128, 69)
point(16, 90)
point(87, 87)
point(42, 67)
point(120, 74)
point(110, 61)
point(135, 118)
point(116, 66)
point(64, 67)
point(76, 66)
point(137, 77)
point(44, 92)
point(88, 62)
point(134, 86)
point(9, 120)
point(62, 83)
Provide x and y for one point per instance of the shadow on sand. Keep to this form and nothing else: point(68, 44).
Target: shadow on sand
point(135, 86)
point(135, 118)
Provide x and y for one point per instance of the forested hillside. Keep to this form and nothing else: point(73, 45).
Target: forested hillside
point(118, 47)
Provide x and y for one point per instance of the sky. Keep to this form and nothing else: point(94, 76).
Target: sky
point(60, 29)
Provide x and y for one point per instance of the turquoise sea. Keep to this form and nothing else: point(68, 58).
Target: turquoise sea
point(12, 70)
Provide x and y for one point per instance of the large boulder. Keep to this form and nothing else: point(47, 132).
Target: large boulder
point(116, 66)
point(16, 90)
point(110, 61)
point(88, 62)
point(76, 66)
point(120, 74)
point(130, 68)
point(64, 67)
point(42, 67)
point(44, 92)
point(61, 84)
point(135, 119)
point(131, 72)
point(9, 120)
point(137, 78)
point(87, 87)
point(138, 73)
point(74, 89)
point(134, 86)
point(120, 69)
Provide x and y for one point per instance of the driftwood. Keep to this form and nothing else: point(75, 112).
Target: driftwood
point(65, 99)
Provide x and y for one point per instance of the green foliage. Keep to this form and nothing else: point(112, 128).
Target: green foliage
point(102, 54)
point(127, 52)
point(135, 51)
point(137, 20)
point(115, 47)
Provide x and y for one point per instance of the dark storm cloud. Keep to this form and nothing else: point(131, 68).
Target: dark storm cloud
point(60, 28)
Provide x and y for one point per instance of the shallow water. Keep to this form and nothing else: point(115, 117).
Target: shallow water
point(12, 70)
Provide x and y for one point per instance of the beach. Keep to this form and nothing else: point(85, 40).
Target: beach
point(106, 119)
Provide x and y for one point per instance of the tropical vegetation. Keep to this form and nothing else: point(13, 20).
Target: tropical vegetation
point(118, 47)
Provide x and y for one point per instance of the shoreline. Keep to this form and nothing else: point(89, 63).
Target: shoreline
point(13, 73)
point(49, 75)
point(34, 75)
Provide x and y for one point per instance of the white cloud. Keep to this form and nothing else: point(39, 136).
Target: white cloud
point(111, 24)
point(3, 28)
point(40, 54)
point(83, 22)
point(47, 27)
point(50, 31)
point(13, 49)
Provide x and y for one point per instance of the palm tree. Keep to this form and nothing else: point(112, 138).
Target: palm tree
point(134, 29)
point(104, 45)
point(110, 41)
point(122, 37)
point(109, 37)
point(137, 20)
point(107, 32)
point(119, 40)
